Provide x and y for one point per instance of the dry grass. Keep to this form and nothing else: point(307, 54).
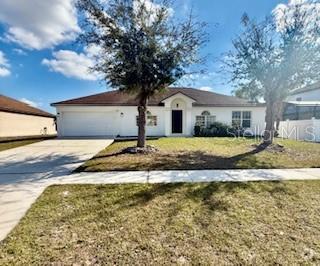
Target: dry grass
point(273, 223)
point(205, 153)
point(17, 143)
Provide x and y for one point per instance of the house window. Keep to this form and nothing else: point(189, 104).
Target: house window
point(200, 121)
point(205, 119)
point(290, 112)
point(236, 119)
point(246, 119)
point(210, 119)
point(241, 119)
point(305, 112)
point(152, 120)
point(205, 113)
point(296, 112)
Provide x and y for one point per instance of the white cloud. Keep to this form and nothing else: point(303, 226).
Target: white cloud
point(72, 64)
point(4, 65)
point(3, 60)
point(151, 9)
point(19, 51)
point(31, 103)
point(184, 7)
point(93, 50)
point(4, 72)
point(39, 24)
point(206, 88)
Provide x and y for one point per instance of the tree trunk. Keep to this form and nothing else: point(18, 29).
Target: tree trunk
point(142, 110)
point(270, 120)
point(279, 116)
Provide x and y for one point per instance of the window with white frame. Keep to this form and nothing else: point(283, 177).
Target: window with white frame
point(246, 119)
point(205, 119)
point(200, 121)
point(152, 120)
point(241, 119)
point(236, 119)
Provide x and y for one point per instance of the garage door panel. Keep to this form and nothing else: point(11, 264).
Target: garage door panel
point(88, 124)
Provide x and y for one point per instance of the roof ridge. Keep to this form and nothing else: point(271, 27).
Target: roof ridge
point(208, 92)
point(115, 98)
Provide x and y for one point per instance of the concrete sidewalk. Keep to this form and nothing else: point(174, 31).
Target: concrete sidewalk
point(17, 194)
point(191, 176)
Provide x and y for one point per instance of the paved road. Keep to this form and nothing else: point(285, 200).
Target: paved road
point(26, 171)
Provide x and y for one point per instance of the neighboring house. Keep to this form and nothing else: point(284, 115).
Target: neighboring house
point(304, 110)
point(18, 119)
point(301, 115)
point(172, 113)
point(309, 93)
point(303, 104)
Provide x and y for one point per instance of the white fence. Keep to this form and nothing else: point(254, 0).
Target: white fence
point(307, 130)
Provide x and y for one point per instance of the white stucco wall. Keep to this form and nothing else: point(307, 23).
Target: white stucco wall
point(104, 121)
point(306, 96)
point(121, 120)
point(224, 115)
point(16, 125)
point(178, 102)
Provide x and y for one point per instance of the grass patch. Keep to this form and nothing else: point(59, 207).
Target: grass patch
point(205, 153)
point(17, 143)
point(209, 223)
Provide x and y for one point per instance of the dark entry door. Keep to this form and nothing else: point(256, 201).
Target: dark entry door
point(176, 121)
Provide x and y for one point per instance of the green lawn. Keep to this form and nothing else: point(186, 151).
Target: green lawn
point(273, 223)
point(17, 143)
point(206, 153)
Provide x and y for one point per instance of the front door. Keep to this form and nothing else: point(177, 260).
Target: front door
point(176, 122)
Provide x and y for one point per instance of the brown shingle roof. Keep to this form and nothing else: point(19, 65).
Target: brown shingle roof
point(201, 98)
point(13, 106)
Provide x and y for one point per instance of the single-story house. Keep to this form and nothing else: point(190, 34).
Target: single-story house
point(171, 113)
point(18, 119)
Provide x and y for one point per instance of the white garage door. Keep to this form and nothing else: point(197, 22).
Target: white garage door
point(88, 124)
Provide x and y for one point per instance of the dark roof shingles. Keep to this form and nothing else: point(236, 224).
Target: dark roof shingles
point(13, 106)
point(201, 98)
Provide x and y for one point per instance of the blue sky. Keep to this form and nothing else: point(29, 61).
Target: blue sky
point(41, 64)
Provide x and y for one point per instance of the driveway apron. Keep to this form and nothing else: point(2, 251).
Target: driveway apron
point(26, 171)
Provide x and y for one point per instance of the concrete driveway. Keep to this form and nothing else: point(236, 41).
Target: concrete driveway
point(26, 171)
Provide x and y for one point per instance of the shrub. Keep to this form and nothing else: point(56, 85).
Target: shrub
point(218, 129)
point(197, 130)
